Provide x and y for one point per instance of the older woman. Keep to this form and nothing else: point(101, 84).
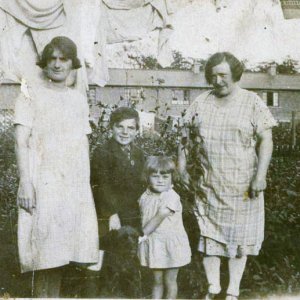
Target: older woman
point(57, 218)
point(236, 129)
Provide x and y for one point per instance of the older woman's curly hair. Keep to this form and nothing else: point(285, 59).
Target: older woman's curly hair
point(66, 46)
point(236, 67)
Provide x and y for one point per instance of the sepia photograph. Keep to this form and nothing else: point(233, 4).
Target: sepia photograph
point(150, 149)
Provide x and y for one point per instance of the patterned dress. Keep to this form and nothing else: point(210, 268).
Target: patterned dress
point(168, 246)
point(63, 227)
point(230, 222)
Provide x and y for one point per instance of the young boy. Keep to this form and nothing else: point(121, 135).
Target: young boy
point(116, 176)
point(116, 173)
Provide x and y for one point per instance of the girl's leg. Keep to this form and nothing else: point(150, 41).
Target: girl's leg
point(236, 269)
point(47, 283)
point(158, 284)
point(212, 270)
point(170, 279)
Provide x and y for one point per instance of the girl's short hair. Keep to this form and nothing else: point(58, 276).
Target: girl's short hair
point(162, 164)
point(236, 67)
point(124, 113)
point(66, 46)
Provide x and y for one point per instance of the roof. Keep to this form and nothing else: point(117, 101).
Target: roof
point(188, 79)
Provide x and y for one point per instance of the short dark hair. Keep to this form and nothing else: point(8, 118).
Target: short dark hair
point(236, 67)
point(66, 46)
point(124, 113)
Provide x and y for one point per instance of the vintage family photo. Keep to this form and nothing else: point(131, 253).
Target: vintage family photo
point(150, 149)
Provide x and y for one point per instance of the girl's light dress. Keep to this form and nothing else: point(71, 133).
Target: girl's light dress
point(63, 226)
point(168, 246)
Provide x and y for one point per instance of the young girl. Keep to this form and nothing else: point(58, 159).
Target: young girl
point(165, 246)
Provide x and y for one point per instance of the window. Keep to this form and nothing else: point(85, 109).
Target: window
point(180, 97)
point(271, 98)
point(92, 95)
point(133, 95)
point(186, 97)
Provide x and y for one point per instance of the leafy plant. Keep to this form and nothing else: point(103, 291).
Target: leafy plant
point(274, 271)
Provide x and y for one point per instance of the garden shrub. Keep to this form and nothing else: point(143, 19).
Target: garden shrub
point(274, 271)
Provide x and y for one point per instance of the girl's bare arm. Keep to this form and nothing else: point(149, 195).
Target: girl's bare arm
point(156, 220)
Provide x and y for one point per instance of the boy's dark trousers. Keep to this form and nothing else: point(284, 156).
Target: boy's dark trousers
point(120, 273)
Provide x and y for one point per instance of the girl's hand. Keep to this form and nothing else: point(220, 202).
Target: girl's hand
point(114, 222)
point(26, 197)
point(164, 212)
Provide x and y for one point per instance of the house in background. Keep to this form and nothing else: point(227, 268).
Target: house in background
point(169, 92)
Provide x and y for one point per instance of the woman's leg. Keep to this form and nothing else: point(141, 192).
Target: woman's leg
point(47, 283)
point(212, 270)
point(170, 279)
point(91, 284)
point(158, 284)
point(236, 268)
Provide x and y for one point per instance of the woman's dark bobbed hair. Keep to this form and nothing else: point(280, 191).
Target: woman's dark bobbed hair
point(66, 46)
point(236, 67)
point(124, 113)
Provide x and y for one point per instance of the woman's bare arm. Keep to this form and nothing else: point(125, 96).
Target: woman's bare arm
point(265, 150)
point(182, 162)
point(26, 195)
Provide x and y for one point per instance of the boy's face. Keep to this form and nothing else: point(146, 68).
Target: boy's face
point(125, 132)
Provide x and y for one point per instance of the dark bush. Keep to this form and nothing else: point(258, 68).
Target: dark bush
point(274, 271)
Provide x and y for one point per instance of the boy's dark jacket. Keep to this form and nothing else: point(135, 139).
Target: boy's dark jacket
point(117, 182)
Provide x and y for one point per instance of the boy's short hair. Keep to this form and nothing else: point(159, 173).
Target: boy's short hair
point(124, 113)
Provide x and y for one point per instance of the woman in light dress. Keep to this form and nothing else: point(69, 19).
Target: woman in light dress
point(164, 248)
point(57, 219)
point(236, 127)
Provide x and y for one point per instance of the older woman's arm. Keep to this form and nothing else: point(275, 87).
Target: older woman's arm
point(26, 194)
point(182, 162)
point(265, 149)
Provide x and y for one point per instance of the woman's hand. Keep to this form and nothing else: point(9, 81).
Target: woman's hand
point(26, 197)
point(114, 222)
point(258, 185)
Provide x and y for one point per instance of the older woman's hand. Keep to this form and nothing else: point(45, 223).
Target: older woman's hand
point(26, 197)
point(257, 185)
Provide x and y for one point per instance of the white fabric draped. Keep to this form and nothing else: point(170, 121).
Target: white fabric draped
point(31, 24)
